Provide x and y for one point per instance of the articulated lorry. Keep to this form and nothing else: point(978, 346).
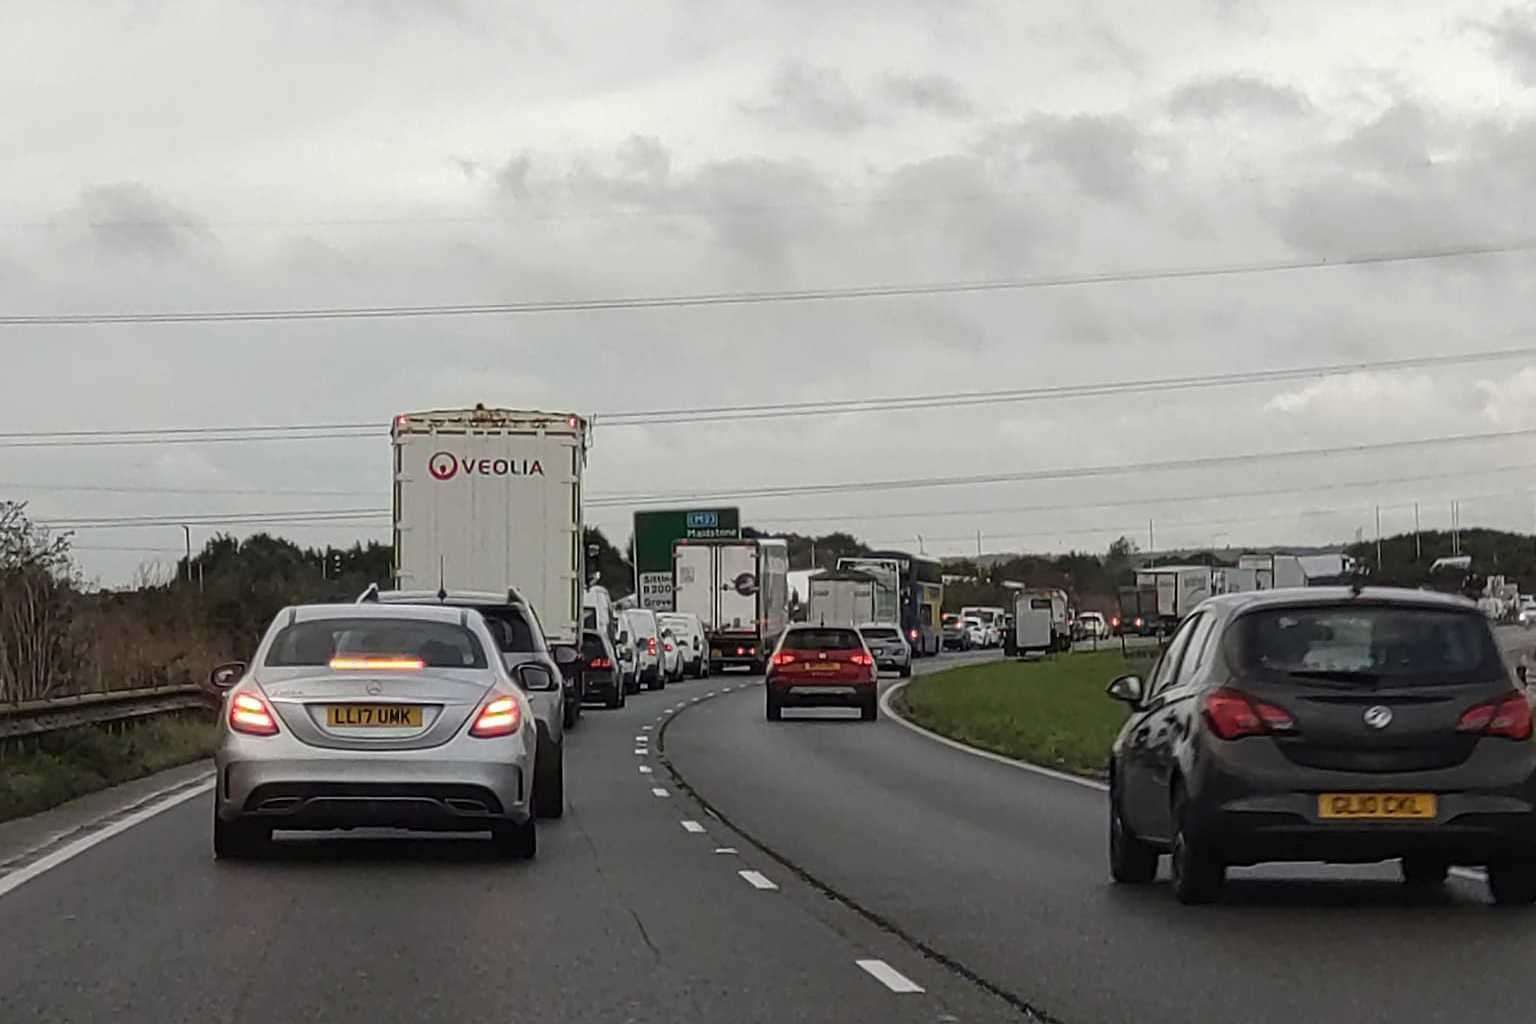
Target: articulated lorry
point(739, 589)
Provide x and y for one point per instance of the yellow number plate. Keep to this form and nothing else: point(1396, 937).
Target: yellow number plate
point(372, 716)
point(1376, 806)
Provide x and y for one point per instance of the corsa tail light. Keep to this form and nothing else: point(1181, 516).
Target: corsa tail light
point(501, 717)
point(1508, 716)
point(250, 714)
point(1233, 715)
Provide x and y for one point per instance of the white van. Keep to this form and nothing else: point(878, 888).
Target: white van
point(688, 631)
point(643, 633)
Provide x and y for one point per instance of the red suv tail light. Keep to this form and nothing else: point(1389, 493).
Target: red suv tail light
point(861, 659)
point(1233, 715)
point(1508, 716)
point(783, 658)
point(501, 717)
point(250, 714)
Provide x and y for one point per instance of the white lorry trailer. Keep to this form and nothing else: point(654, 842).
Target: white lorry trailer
point(490, 500)
point(739, 589)
point(1179, 588)
point(843, 598)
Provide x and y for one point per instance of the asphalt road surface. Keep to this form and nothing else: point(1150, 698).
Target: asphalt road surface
point(627, 915)
point(1002, 872)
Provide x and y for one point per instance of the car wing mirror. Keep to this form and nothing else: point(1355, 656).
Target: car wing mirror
point(536, 679)
point(1129, 689)
point(225, 676)
point(565, 656)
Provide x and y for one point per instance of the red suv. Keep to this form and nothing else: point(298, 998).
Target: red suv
point(822, 666)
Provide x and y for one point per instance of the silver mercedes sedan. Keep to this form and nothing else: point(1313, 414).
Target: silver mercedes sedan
point(396, 716)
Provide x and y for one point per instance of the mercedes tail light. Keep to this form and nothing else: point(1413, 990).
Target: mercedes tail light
point(250, 714)
point(1233, 715)
point(501, 717)
point(1508, 716)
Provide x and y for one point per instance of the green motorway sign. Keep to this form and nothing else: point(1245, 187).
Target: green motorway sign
point(655, 533)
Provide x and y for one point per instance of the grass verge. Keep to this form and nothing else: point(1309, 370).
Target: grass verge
point(68, 764)
point(1052, 712)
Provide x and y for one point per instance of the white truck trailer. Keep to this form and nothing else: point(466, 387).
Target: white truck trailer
point(490, 500)
point(739, 589)
point(1179, 589)
point(843, 598)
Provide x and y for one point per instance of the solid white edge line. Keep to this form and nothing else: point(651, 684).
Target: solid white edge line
point(757, 880)
point(889, 976)
point(1050, 773)
point(659, 791)
point(694, 827)
point(23, 875)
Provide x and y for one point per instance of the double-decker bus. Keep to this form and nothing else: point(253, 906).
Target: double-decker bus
point(910, 591)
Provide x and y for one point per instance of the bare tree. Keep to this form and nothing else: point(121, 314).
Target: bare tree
point(37, 589)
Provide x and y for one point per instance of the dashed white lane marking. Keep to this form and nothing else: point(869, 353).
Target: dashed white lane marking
point(646, 728)
point(694, 827)
point(659, 791)
point(757, 880)
point(711, 693)
point(641, 751)
point(725, 851)
point(889, 976)
point(642, 739)
point(645, 769)
point(21, 876)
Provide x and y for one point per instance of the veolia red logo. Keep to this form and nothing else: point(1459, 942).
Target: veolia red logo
point(445, 466)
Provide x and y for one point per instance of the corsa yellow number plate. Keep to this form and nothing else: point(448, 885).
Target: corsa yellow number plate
point(373, 716)
point(1376, 806)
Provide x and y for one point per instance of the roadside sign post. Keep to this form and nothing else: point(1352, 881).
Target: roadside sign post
point(657, 531)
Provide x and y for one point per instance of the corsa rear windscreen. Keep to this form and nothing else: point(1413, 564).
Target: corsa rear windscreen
point(822, 640)
point(1391, 644)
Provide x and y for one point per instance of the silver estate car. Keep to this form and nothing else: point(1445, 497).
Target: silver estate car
point(376, 716)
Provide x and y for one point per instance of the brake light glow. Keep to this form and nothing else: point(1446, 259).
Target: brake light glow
point(669, 647)
point(1139, 623)
point(912, 633)
point(861, 659)
point(249, 714)
point(650, 646)
point(600, 663)
point(1508, 716)
point(1115, 622)
point(501, 717)
point(381, 664)
point(783, 658)
point(1233, 715)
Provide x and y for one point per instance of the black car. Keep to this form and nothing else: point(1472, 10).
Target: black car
point(604, 674)
point(1326, 724)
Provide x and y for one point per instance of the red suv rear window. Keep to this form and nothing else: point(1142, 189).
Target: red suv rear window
point(822, 639)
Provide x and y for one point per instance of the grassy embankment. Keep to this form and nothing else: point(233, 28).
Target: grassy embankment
point(62, 766)
point(1052, 712)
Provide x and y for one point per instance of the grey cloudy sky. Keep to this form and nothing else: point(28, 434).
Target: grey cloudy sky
point(219, 155)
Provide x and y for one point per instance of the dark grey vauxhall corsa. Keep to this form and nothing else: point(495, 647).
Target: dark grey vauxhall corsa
point(1326, 724)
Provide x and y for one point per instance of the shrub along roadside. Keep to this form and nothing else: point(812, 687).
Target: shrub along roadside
point(65, 765)
point(1052, 712)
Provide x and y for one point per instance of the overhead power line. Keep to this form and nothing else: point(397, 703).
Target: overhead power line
point(769, 410)
point(749, 298)
point(632, 500)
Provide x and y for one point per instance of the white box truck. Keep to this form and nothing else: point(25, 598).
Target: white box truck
point(490, 500)
point(843, 598)
point(1179, 589)
point(739, 589)
point(1041, 622)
